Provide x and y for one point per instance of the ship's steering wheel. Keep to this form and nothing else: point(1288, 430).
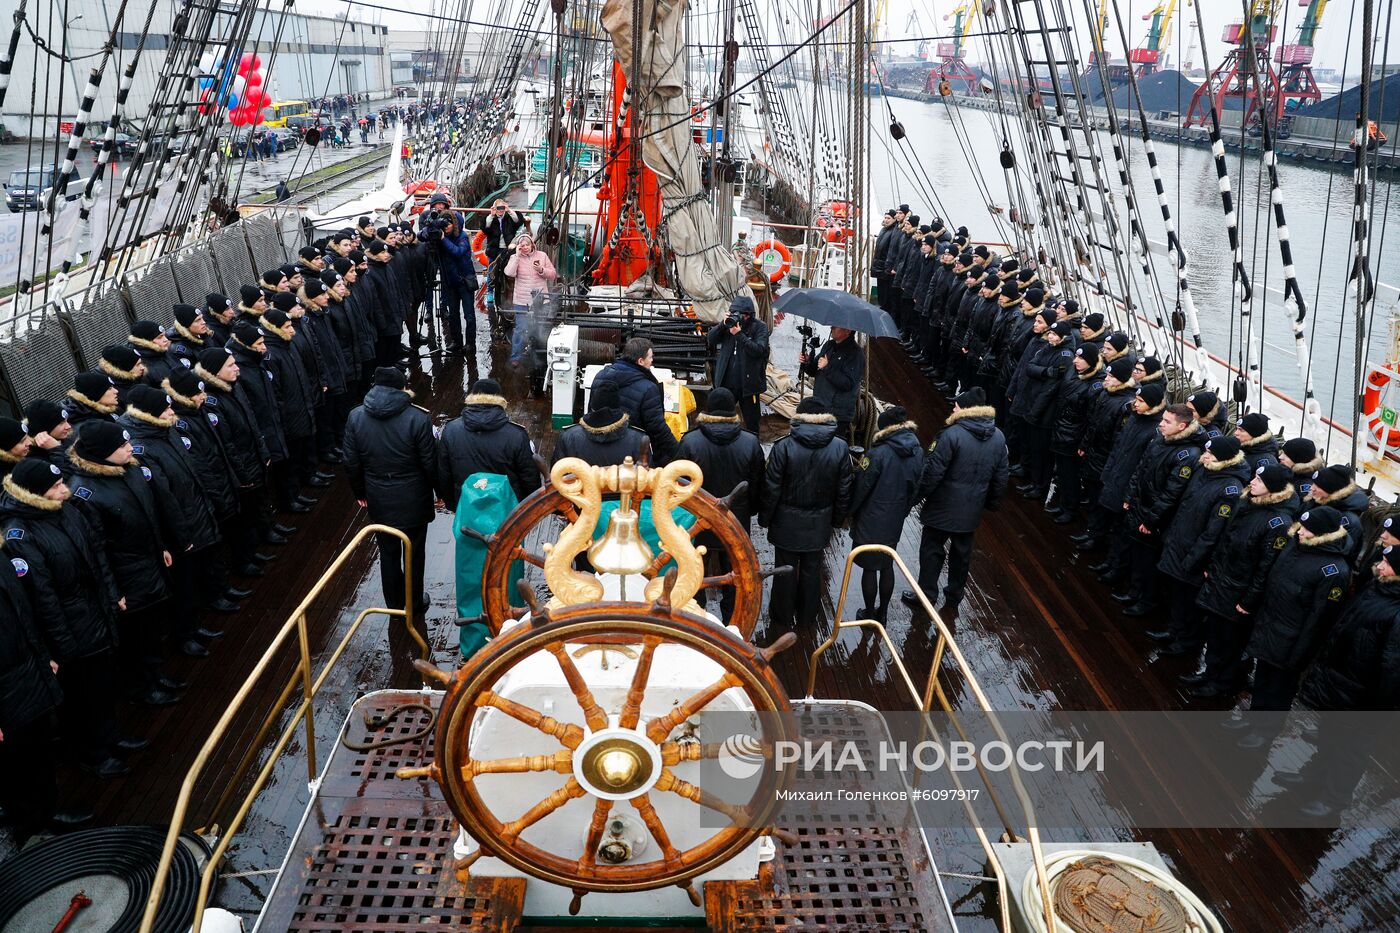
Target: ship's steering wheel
point(614, 757)
point(508, 545)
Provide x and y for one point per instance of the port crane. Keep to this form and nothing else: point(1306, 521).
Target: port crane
point(1232, 79)
point(1295, 75)
point(951, 65)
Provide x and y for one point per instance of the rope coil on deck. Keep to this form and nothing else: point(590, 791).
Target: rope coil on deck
point(1096, 892)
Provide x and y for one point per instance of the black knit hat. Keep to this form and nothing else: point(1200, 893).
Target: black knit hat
point(309, 253)
point(11, 432)
point(971, 398)
point(246, 333)
point(314, 288)
point(1299, 449)
point(1255, 424)
point(1047, 315)
point(893, 415)
point(1092, 321)
point(604, 397)
point(1223, 447)
point(1152, 393)
point(43, 415)
point(981, 251)
point(357, 256)
point(36, 476)
point(1010, 290)
point(1203, 402)
point(185, 314)
point(1121, 369)
point(148, 399)
point(121, 356)
point(283, 302)
point(213, 359)
point(1035, 295)
point(1025, 275)
point(1275, 476)
point(1089, 353)
point(92, 385)
point(391, 377)
point(145, 330)
point(1321, 520)
point(272, 277)
point(216, 302)
point(1117, 340)
point(720, 402)
point(375, 247)
point(812, 406)
point(1150, 365)
point(289, 270)
point(185, 382)
point(330, 278)
point(1071, 307)
point(486, 386)
point(249, 294)
point(1331, 479)
point(343, 265)
point(364, 221)
point(98, 440)
point(1062, 328)
point(277, 317)
point(930, 240)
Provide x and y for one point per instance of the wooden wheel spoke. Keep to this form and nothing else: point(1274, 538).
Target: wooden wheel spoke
point(568, 734)
point(592, 713)
point(589, 861)
point(632, 708)
point(673, 753)
point(658, 729)
point(571, 790)
point(672, 784)
point(652, 819)
point(529, 557)
point(561, 761)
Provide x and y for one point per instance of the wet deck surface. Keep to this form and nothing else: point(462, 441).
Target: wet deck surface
point(1039, 631)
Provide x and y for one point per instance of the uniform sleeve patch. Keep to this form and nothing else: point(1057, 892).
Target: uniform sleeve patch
point(21, 566)
point(14, 534)
point(1232, 490)
point(1276, 521)
point(182, 424)
point(1185, 471)
point(1334, 594)
point(213, 418)
point(186, 441)
point(185, 362)
point(146, 472)
point(1224, 510)
point(82, 492)
point(211, 400)
point(1279, 542)
point(1183, 453)
point(138, 449)
point(1331, 570)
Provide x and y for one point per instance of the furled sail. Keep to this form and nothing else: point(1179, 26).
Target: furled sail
point(708, 271)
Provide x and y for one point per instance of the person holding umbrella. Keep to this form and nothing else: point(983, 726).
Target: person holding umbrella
point(837, 370)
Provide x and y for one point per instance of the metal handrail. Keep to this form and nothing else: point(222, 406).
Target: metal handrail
point(924, 703)
point(296, 623)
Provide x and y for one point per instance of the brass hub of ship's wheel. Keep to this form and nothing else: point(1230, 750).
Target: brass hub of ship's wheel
point(615, 757)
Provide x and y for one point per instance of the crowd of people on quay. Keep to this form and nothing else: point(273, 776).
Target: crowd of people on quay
point(1269, 573)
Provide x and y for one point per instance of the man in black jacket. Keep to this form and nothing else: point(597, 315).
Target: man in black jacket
point(886, 491)
point(48, 426)
point(1159, 481)
point(1336, 486)
point(641, 397)
point(604, 436)
point(1075, 400)
point(965, 472)
point(727, 456)
point(296, 393)
point(837, 371)
point(151, 344)
point(485, 440)
point(501, 226)
point(1210, 499)
point(219, 315)
point(92, 398)
point(59, 559)
point(1254, 535)
point(807, 492)
point(1302, 597)
point(390, 457)
point(188, 335)
point(1256, 440)
point(889, 231)
point(740, 345)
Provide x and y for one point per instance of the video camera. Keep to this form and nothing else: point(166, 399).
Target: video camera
point(811, 343)
point(434, 223)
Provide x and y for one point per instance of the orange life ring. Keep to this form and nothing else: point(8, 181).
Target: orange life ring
point(838, 234)
point(697, 114)
point(1385, 432)
point(479, 247)
point(776, 246)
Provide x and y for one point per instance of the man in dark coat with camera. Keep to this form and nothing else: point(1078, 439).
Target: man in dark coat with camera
point(484, 440)
point(445, 229)
point(390, 457)
point(807, 492)
point(965, 472)
point(837, 370)
point(727, 456)
point(740, 345)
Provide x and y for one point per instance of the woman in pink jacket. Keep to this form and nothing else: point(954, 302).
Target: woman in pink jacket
point(532, 273)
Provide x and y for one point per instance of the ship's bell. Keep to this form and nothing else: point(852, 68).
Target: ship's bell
point(621, 549)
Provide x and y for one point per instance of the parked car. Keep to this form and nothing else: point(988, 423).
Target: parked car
point(286, 138)
point(27, 188)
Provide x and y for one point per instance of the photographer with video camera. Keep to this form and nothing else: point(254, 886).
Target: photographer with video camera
point(837, 370)
point(451, 248)
point(740, 343)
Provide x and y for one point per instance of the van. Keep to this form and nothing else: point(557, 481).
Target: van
point(27, 189)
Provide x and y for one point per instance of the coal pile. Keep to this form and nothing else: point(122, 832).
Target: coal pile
point(1346, 105)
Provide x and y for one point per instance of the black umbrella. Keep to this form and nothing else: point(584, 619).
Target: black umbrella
point(836, 308)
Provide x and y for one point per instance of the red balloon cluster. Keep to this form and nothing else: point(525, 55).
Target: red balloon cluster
point(253, 98)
